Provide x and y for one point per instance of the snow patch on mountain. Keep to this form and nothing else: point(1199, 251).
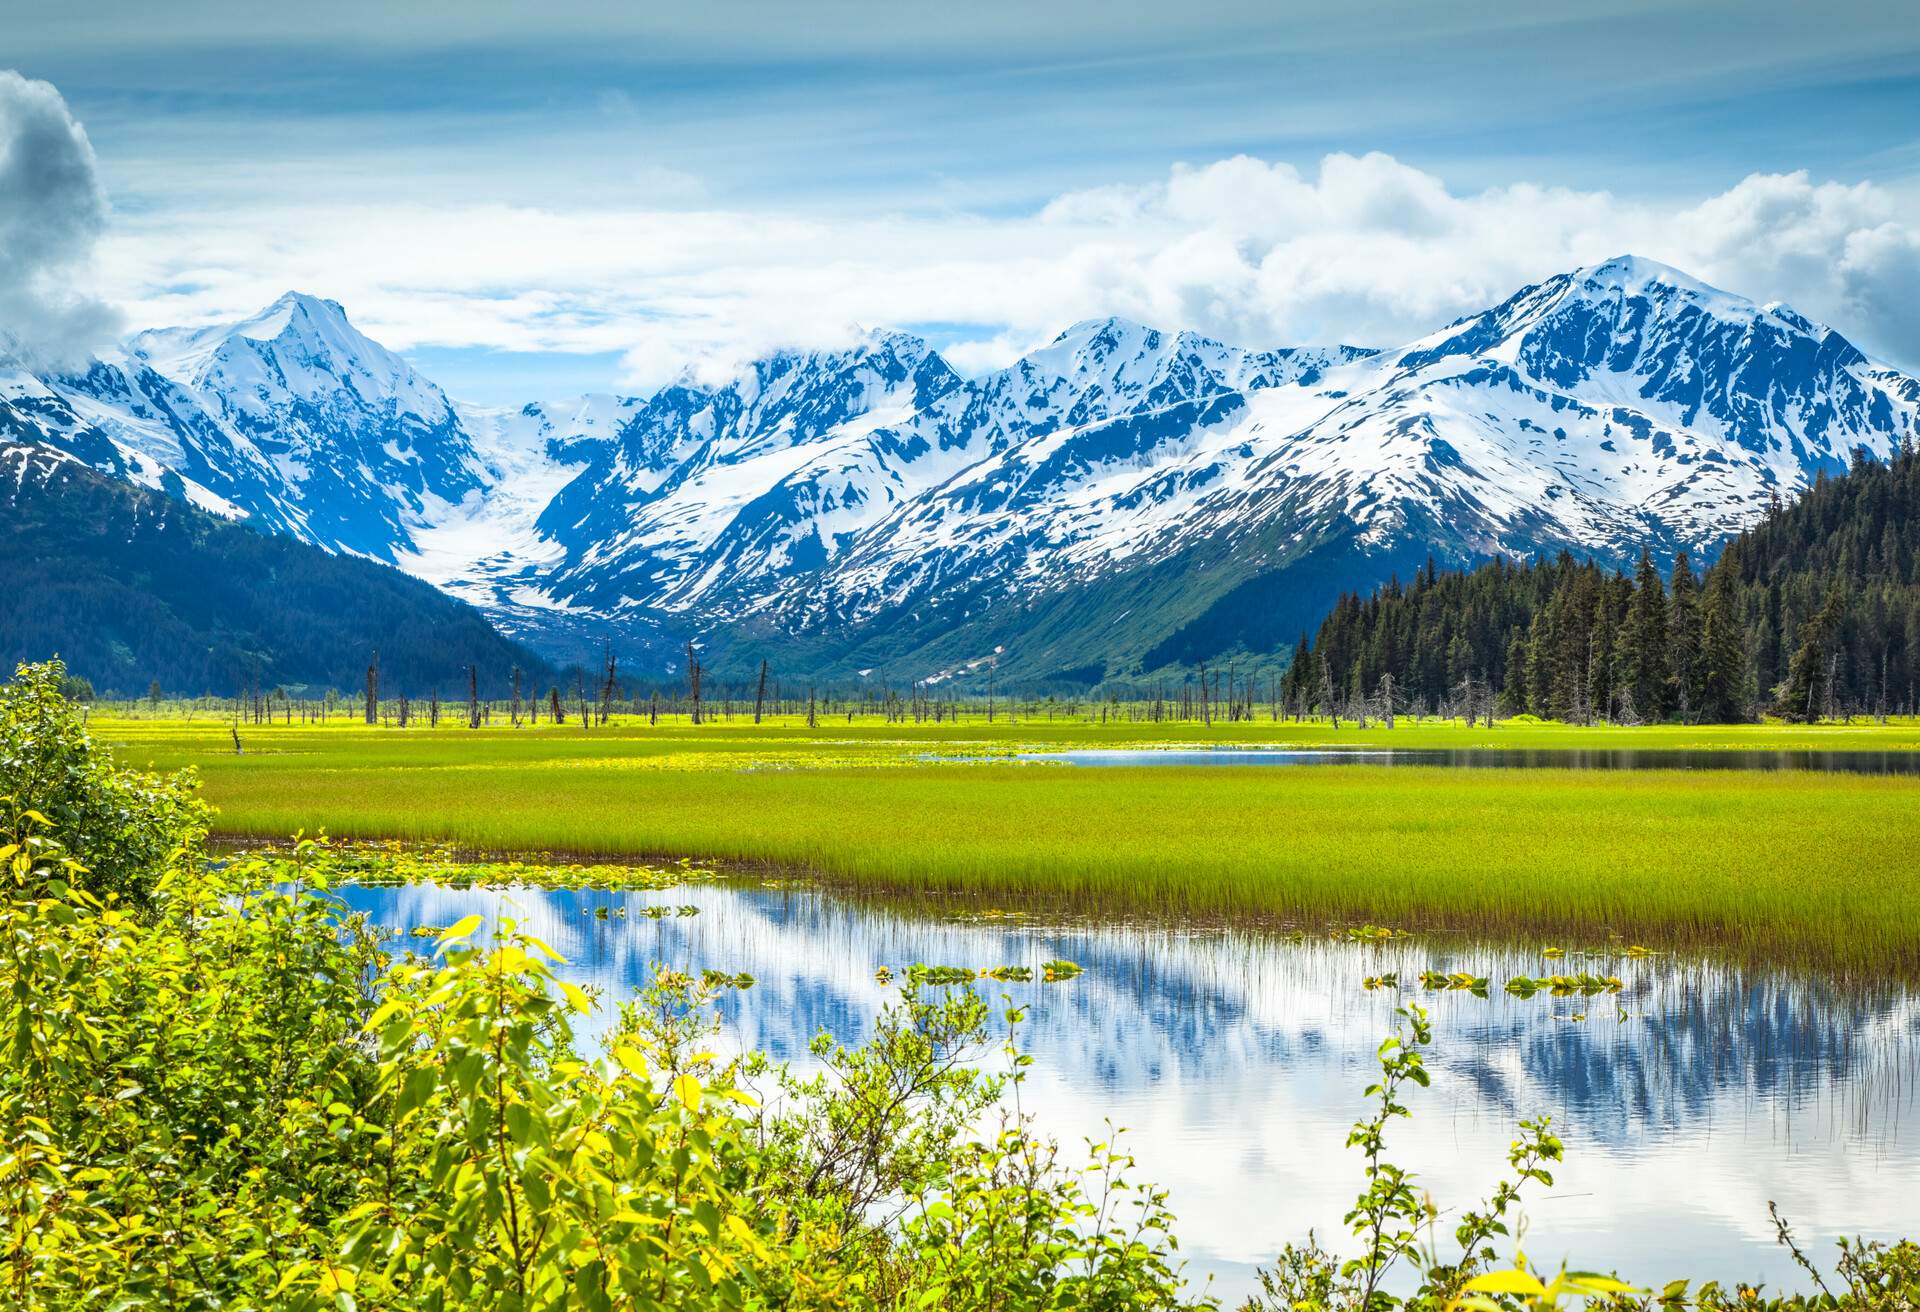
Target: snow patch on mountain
point(874, 494)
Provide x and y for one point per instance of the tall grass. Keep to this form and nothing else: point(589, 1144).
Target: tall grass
point(1793, 865)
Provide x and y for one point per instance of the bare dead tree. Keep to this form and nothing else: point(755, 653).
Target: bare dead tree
point(606, 688)
point(473, 697)
point(760, 693)
point(693, 679)
point(373, 688)
point(516, 696)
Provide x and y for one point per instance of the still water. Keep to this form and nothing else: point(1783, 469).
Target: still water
point(1236, 1061)
point(1502, 758)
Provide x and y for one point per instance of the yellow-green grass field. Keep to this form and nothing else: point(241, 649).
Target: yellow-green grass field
point(1796, 866)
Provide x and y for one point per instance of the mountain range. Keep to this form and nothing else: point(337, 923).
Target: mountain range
point(1121, 500)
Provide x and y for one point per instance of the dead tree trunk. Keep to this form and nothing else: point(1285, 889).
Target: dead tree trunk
point(760, 693)
point(693, 679)
point(373, 688)
point(606, 689)
point(473, 697)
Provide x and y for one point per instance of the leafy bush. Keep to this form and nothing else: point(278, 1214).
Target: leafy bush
point(213, 1107)
point(131, 827)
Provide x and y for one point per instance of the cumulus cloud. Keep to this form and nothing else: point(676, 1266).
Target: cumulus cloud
point(1373, 250)
point(1361, 248)
point(52, 210)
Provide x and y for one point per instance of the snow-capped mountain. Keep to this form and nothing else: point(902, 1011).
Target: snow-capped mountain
point(1117, 500)
point(1125, 497)
point(691, 490)
point(291, 418)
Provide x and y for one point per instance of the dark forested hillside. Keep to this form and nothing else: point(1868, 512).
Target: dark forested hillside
point(1814, 611)
point(131, 587)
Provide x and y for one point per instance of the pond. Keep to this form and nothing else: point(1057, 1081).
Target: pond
point(1237, 1063)
point(1903, 763)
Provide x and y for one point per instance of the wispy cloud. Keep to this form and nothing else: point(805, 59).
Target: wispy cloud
point(672, 184)
point(1361, 249)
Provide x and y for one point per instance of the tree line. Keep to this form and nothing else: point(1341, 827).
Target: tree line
point(1812, 613)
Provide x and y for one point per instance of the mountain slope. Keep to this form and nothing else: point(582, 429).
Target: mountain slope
point(291, 418)
point(1813, 611)
point(1117, 501)
point(129, 586)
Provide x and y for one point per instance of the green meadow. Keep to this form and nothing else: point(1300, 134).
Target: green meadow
point(1793, 865)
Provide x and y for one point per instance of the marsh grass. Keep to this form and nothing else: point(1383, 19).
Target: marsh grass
point(1789, 866)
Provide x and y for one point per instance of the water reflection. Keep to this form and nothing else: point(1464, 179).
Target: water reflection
point(1237, 1062)
point(1903, 763)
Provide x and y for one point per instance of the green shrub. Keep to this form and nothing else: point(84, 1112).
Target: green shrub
point(130, 827)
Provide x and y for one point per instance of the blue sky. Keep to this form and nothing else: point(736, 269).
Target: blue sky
point(536, 199)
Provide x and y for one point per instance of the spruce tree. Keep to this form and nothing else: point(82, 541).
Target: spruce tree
point(1684, 639)
point(1540, 667)
point(1802, 696)
point(1723, 657)
point(1640, 652)
point(1513, 689)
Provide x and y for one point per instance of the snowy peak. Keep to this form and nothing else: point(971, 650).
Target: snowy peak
point(785, 399)
point(814, 391)
point(290, 417)
point(1638, 274)
point(300, 348)
point(1636, 332)
point(1110, 365)
point(295, 312)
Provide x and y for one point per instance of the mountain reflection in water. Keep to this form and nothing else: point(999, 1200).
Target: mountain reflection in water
point(1237, 1060)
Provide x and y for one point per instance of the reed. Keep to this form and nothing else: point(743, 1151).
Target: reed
point(1790, 865)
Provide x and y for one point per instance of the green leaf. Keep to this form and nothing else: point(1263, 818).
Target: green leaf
point(460, 929)
point(1507, 1282)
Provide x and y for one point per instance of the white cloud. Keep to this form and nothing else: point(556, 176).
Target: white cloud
point(51, 211)
point(1362, 249)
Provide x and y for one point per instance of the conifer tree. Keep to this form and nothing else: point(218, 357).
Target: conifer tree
point(1723, 661)
point(1803, 696)
point(1640, 653)
point(1684, 640)
point(1513, 694)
